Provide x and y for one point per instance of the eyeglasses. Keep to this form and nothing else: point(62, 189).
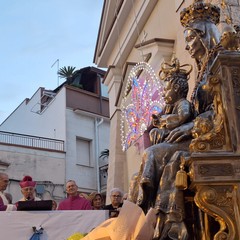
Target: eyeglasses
point(116, 196)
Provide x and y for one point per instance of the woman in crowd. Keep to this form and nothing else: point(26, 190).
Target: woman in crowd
point(97, 201)
point(114, 207)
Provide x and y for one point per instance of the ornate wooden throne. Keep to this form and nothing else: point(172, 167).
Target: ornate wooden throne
point(215, 157)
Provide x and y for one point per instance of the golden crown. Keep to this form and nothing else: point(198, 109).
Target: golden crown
point(174, 68)
point(200, 10)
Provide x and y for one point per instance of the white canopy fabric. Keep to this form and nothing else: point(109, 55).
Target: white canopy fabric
point(57, 225)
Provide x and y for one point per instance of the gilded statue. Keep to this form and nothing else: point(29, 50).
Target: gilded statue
point(177, 109)
point(154, 185)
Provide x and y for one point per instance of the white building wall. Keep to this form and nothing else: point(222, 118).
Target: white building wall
point(82, 126)
point(46, 167)
point(50, 123)
point(104, 135)
point(103, 143)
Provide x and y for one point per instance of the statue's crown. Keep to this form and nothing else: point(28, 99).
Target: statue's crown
point(200, 11)
point(174, 69)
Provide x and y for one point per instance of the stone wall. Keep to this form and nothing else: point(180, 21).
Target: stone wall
point(231, 10)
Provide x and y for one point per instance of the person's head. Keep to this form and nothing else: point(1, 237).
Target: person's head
point(96, 200)
point(71, 188)
point(28, 187)
point(116, 195)
point(201, 33)
point(4, 180)
point(85, 195)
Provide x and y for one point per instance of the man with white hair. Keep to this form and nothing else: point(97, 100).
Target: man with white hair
point(4, 204)
point(28, 187)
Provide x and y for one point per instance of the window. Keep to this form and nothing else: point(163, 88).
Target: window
point(104, 90)
point(83, 148)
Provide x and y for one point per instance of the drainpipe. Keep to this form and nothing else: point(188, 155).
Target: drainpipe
point(100, 92)
point(97, 124)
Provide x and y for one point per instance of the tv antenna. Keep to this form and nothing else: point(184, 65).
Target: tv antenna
point(56, 62)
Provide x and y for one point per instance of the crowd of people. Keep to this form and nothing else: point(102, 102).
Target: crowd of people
point(74, 200)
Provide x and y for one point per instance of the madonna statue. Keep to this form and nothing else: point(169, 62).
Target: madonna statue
point(154, 186)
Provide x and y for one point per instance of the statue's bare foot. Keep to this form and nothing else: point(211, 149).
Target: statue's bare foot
point(174, 231)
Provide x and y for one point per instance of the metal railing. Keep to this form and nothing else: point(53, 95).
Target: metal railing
point(31, 141)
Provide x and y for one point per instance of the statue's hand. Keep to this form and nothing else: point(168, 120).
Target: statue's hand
point(157, 135)
point(155, 120)
point(180, 133)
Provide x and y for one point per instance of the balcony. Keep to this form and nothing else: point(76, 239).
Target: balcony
point(79, 99)
point(9, 138)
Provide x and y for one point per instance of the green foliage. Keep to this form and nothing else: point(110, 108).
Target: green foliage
point(66, 72)
point(104, 153)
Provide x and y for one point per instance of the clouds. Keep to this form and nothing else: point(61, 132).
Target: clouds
point(34, 34)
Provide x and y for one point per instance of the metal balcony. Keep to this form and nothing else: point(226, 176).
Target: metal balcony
point(31, 141)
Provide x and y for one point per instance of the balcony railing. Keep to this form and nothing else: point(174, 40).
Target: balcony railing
point(31, 141)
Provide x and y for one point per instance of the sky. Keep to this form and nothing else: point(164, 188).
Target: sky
point(33, 35)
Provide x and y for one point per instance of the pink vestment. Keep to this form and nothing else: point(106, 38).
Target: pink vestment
point(75, 203)
point(4, 206)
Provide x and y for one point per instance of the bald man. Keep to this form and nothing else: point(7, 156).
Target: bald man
point(4, 204)
point(74, 201)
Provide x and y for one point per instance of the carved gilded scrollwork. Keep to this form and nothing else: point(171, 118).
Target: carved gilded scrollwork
point(215, 169)
point(217, 201)
point(209, 132)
